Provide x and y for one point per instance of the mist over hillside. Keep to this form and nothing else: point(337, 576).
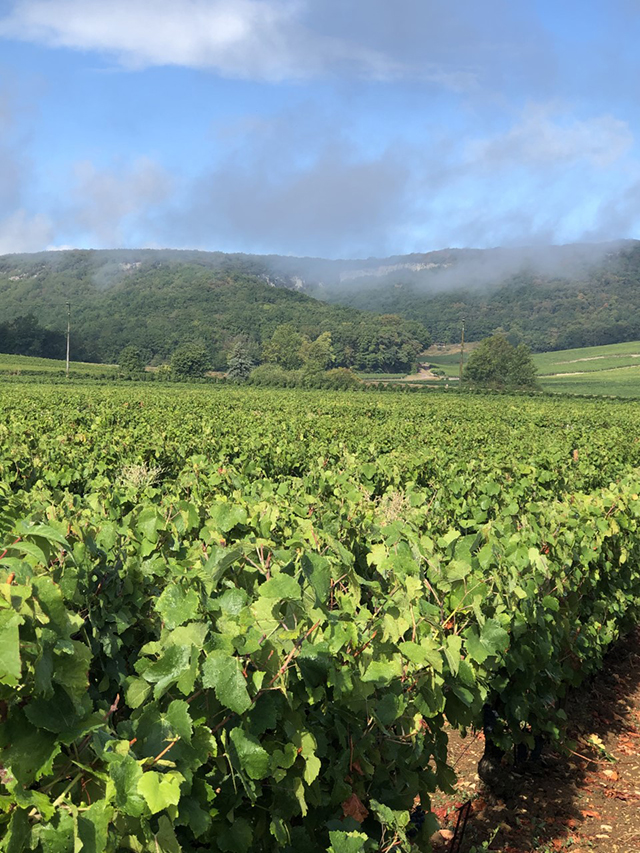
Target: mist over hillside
point(546, 296)
point(445, 269)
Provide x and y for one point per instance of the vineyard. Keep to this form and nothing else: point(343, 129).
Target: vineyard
point(241, 620)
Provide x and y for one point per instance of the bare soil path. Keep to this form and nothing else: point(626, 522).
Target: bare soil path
point(423, 373)
point(586, 801)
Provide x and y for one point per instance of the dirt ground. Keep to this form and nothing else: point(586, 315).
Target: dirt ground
point(423, 373)
point(586, 801)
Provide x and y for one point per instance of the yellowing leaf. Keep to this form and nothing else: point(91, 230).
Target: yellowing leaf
point(160, 790)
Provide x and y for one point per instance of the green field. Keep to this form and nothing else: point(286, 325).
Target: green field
point(449, 362)
point(231, 617)
point(618, 382)
point(612, 370)
point(23, 365)
point(588, 359)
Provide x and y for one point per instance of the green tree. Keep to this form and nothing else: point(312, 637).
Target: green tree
point(284, 347)
point(523, 370)
point(130, 362)
point(498, 363)
point(317, 355)
point(163, 373)
point(240, 362)
point(24, 336)
point(189, 361)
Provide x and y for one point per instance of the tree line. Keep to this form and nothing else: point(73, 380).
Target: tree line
point(290, 359)
point(25, 336)
point(287, 359)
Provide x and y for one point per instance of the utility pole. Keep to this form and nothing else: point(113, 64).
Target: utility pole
point(68, 333)
point(461, 350)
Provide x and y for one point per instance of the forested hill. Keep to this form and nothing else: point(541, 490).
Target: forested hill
point(591, 300)
point(548, 297)
point(553, 297)
point(159, 301)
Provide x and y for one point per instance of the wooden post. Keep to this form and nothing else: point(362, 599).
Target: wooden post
point(68, 333)
point(462, 350)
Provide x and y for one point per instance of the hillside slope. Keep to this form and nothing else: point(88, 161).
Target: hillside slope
point(156, 302)
point(555, 297)
point(551, 297)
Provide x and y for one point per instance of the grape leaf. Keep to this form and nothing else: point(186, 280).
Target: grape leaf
point(252, 757)
point(223, 673)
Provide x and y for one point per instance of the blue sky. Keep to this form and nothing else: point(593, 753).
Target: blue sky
point(335, 128)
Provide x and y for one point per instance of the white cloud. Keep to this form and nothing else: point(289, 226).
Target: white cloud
point(336, 202)
point(244, 38)
point(299, 183)
point(14, 163)
point(456, 46)
point(112, 204)
point(542, 138)
point(20, 232)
